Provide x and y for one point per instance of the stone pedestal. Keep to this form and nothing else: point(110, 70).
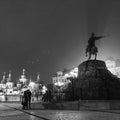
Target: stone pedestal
point(97, 82)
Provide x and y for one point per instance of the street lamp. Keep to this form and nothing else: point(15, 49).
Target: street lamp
point(58, 85)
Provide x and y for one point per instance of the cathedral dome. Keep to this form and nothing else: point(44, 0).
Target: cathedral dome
point(4, 79)
point(23, 78)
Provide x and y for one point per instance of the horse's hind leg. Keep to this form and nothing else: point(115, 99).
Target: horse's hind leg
point(89, 57)
point(95, 56)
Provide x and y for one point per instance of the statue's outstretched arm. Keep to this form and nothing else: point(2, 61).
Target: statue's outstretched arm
point(97, 38)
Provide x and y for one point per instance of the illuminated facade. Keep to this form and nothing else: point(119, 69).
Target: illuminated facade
point(7, 86)
point(9, 83)
point(62, 80)
point(35, 86)
point(72, 73)
point(59, 82)
point(113, 68)
point(3, 85)
point(62, 77)
point(23, 78)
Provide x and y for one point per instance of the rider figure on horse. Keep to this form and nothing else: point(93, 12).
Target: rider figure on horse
point(91, 47)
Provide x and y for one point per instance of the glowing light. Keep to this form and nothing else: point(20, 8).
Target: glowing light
point(59, 83)
point(44, 89)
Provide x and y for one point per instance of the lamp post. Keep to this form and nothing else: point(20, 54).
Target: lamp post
point(59, 84)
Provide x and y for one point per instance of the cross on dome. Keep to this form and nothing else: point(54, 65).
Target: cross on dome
point(38, 78)
point(9, 77)
point(24, 71)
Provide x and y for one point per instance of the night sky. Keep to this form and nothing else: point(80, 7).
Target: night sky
point(47, 36)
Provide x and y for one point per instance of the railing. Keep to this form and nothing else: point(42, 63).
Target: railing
point(17, 98)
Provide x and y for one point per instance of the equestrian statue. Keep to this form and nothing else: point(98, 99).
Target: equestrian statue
point(91, 48)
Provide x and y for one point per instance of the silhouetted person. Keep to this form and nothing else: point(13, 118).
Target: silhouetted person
point(49, 96)
point(92, 39)
point(29, 98)
point(25, 100)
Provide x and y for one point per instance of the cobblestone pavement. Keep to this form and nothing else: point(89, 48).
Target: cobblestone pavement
point(13, 111)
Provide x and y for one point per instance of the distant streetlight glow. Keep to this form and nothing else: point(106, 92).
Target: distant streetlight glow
point(44, 89)
point(59, 83)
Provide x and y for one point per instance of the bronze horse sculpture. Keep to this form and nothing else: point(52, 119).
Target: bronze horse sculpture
point(91, 47)
point(91, 51)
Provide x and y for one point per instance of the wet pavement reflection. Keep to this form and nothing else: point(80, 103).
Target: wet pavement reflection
point(14, 112)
